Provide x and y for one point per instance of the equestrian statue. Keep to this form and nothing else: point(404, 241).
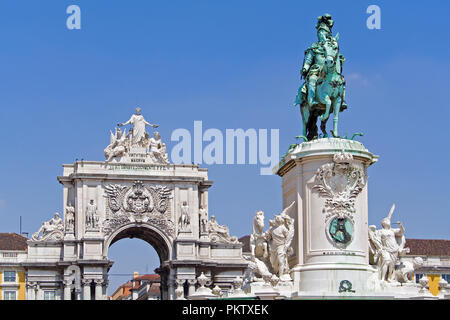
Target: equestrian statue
point(323, 91)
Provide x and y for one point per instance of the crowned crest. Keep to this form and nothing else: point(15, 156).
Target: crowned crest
point(343, 157)
point(340, 183)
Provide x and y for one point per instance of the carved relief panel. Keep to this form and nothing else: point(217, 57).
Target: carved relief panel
point(340, 183)
point(138, 203)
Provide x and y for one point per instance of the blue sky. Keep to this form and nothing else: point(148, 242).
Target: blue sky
point(231, 64)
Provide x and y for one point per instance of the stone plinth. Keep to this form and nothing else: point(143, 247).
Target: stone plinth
point(327, 179)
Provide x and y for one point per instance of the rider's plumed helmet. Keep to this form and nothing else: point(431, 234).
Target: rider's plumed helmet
point(325, 22)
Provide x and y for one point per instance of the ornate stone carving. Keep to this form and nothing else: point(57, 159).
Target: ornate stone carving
point(138, 203)
point(202, 280)
point(219, 233)
point(280, 237)
point(203, 220)
point(158, 152)
point(406, 270)
point(217, 291)
point(237, 291)
point(179, 292)
point(50, 230)
point(271, 249)
point(184, 221)
point(386, 245)
point(92, 219)
point(139, 136)
point(340, 183)
point(70, 218)
point(118, 145)
point(136, 146)
point(138, 200)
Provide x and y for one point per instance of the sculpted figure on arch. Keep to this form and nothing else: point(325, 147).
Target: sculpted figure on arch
point(50, 230)
point(184, 221)
point(139, 137)
point(117, 146)
point(91, 216)
point(70, 218)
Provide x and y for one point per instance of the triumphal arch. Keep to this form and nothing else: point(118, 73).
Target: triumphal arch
point(135, 193)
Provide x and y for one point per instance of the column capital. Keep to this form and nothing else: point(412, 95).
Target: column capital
point(67, 282)
point(99, 282)
point(180, 282)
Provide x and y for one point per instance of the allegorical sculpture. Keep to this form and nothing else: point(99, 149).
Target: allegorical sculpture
point(70, 218)
point(137, 142)
point(323, 91)
point(91, 216)
point(271, 249)
point(386, 245)
point(184, 222)
point(203, 219)
point(158, 149)
point(219, 233)
point(406, 270)
point(117, 146)
point(139, 137)
point(50, 230)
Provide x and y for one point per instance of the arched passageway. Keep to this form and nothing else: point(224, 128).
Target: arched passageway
point(141, 254)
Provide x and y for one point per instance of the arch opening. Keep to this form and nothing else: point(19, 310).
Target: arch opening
point(151, 241)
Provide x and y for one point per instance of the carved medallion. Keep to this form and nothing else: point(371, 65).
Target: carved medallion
point(138, 200)
point(340, 230)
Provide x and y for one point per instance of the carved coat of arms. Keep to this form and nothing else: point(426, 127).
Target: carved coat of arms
point(138, 203)
point(340, 183)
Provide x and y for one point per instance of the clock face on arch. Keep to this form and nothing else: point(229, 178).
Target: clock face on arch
point(341, 231)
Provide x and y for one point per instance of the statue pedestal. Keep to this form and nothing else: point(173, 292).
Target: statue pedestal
point(265, 291)
point(327, 180)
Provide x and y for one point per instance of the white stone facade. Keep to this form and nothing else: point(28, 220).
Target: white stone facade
point(135, 193)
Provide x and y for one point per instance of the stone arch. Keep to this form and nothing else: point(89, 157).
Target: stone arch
point(144, 231)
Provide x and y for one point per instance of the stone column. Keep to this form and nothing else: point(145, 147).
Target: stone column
point(67, 290)
point(105, 291)
point(32, 291)
point(40, 293)
point(86, 289)
point(171, 289)
point(98, 289)
point(77, 293)
point(171, 284)
point(191, 283)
